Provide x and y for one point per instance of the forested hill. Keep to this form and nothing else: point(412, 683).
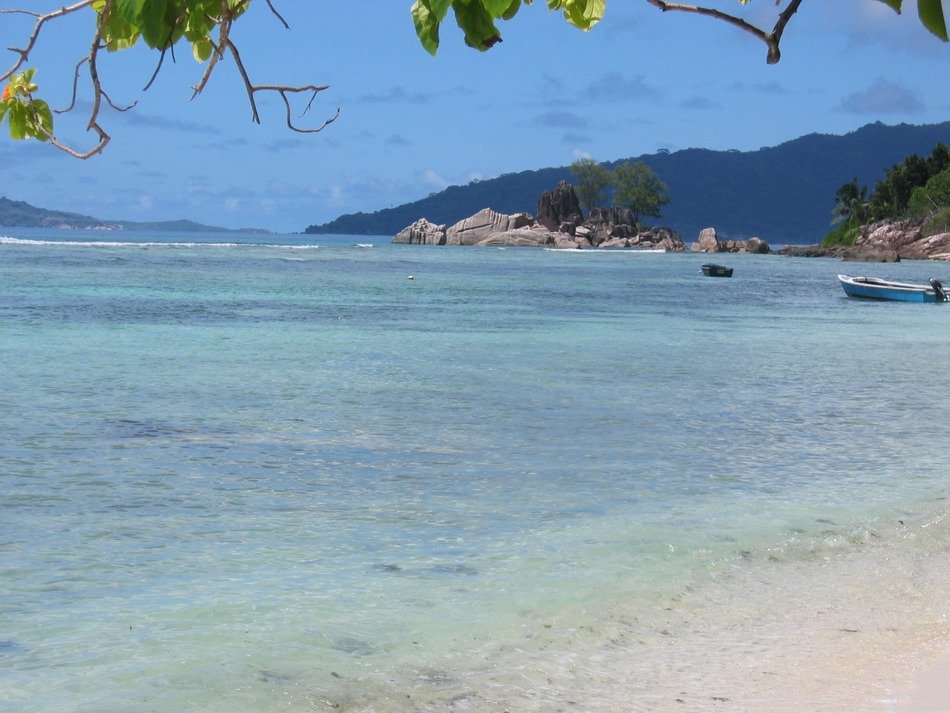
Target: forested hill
point(783, 194)
point(18, 214)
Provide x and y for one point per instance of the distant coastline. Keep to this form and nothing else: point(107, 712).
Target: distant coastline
point(783, 194)
point(19, 214)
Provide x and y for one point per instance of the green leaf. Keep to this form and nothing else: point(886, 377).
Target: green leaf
point(512, 10)
point(202, 49)
point(496, 8)
point(118, 32)
point(154, 19)
point(931, 14)
point(584, 13)
point(476, 23)
point(895, 4)
point(427, 25)
point(198, 25)
point(41, 120)
point(18, 121)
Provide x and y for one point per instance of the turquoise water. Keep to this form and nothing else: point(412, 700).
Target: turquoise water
point(286, 476)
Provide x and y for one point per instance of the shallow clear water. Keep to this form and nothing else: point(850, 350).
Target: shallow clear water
point(287, 477)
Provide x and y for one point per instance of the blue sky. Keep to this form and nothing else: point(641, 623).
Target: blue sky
point(411, 124)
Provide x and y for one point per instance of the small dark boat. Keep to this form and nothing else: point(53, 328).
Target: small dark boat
point(712, 270)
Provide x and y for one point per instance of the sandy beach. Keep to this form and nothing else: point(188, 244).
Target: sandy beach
point(931, 690)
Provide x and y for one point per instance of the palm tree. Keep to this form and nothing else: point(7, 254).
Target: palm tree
point(851, 204)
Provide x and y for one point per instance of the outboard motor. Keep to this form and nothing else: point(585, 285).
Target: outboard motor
point(938, 289)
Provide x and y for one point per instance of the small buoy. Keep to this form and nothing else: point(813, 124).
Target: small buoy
point(410, 277)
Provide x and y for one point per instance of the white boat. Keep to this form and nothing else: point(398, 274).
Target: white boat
point(874, 288)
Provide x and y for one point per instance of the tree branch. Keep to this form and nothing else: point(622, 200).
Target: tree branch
point(277, 14)
point(780, 28)
point(284, 91)
point(771, 39)
point(41, 20)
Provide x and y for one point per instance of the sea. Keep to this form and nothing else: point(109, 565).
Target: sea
point(328, 473)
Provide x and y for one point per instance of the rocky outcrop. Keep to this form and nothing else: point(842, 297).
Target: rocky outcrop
point(757, 246)
point(488, 227)
point(842, 252)
point(484, 223)
point(906, 237)
point(563, 227)
point(560, 206)
point(934, 247)
point(422, 232)
point(890, 234)
point(884, 241)
point(523, 237)
point(612, 216)
point(650, 239)
point(709, 242)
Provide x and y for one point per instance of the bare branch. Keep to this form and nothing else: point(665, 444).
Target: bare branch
point(248, 87)
point(780, 28)
point(224, 32)
point(290, 124)
point(98, 95)
point(41, 20)
point(89, 66)
point(98, 149)
point(158, 68)
point(284, 91)
point(115, 106)
point(96, 85)
point(771, 39)
point(72, 102)
point(277, 14)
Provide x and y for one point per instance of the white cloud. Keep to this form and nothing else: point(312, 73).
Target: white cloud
point(432, 178)
point(884, 97)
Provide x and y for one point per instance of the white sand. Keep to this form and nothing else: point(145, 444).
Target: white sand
point(931, 693)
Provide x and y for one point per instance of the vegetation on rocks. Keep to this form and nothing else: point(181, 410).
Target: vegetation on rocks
point(631, 185)
point(915, 188)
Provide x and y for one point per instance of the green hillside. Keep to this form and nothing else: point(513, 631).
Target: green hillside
point(19, 214)
point(783, 194)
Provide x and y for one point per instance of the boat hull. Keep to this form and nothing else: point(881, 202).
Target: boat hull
point(871, 288)
point(712, 270)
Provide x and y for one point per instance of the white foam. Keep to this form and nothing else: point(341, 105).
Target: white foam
point(6, 240)
point(605, 251)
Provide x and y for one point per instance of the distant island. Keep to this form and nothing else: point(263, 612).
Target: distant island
point(784, 193)
point(19, 214)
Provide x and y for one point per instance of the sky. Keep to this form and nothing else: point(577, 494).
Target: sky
point(411, 124)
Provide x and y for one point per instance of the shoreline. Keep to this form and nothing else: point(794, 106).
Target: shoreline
point(858, 631)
